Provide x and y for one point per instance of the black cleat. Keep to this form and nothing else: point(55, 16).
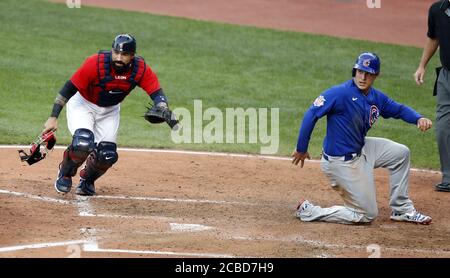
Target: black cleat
point(443, 186)
point(63, 184)
point(85, 188)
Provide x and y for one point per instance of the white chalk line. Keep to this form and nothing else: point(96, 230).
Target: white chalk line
point(134, 198)
point(100, 215)
point(41, 245)
point(87, 213)
point(186, 227)
point(92, 247)
point(83, 206)
point(35, 197)
point(173, 200)
point(222, 154)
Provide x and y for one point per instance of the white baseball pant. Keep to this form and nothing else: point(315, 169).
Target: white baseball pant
point(102, 121)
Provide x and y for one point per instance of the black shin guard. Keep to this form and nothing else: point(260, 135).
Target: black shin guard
point(103, 157)
point(82, 145)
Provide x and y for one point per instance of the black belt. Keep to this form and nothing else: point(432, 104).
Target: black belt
point(346, 157)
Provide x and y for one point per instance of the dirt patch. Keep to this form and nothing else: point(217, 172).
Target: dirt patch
point(203, 205)
point(396, 21)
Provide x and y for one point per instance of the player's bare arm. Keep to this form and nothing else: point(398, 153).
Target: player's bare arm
point(428, 51)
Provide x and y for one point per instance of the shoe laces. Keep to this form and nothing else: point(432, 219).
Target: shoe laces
point(416, 216)
point(419, 217)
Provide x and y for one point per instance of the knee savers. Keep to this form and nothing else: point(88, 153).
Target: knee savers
point(82, 144)
point(106, 154)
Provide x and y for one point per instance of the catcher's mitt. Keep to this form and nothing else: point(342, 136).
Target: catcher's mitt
point(160, 113)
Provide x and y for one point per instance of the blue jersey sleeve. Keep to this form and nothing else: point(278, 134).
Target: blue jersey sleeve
point(321, 106)
point(306, 129)
point(392, 109)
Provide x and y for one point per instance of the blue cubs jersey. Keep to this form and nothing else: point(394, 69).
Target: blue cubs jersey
point(350, 115)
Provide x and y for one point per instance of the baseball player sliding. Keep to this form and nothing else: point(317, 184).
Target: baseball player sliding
point(93, 96)
point(349, 157)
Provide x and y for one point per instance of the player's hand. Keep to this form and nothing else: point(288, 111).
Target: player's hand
point(419, 75)
point(50, 125)
point(424, 124)
point(297, 157)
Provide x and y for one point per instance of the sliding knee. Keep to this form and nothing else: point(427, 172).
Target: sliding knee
point(103, 157)
point(80, 148)
point(403, 151)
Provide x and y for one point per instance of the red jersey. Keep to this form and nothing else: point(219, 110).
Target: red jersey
point(97, 81)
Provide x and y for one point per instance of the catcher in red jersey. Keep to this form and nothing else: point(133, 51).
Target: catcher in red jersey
point(93, 96)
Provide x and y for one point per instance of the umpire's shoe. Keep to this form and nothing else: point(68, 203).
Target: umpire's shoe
point(443, 186)
point(85, 188)
point(63, 184)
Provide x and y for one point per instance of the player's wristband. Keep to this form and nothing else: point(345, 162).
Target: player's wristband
point(158, 97)
point(56, 110)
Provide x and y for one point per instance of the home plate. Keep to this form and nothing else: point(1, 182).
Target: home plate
point(177, 227)
point(90, 247)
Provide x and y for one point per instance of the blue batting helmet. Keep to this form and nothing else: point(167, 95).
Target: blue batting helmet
point(368, 62)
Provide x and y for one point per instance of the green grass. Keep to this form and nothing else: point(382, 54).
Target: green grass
point(221, 64)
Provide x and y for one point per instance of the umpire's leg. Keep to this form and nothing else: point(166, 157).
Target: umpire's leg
point(443, 126)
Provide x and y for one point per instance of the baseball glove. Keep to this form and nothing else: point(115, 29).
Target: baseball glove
point(160, 113)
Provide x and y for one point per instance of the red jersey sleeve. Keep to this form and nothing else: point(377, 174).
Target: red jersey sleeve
point(86, 74)
point(149, 81)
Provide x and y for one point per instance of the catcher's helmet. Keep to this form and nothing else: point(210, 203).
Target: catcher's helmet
point(368, 62)
point(125, 43)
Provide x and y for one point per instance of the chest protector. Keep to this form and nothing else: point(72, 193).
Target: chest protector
point(111, 90)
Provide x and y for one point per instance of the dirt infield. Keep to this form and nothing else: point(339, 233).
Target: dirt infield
point(183, 204)
point(396, 21)
point(201, 205)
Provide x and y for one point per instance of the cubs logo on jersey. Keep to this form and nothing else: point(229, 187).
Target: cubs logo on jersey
point(374, 114)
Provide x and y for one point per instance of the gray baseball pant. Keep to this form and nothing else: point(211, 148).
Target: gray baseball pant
point(443, 122)
point(354, 181)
